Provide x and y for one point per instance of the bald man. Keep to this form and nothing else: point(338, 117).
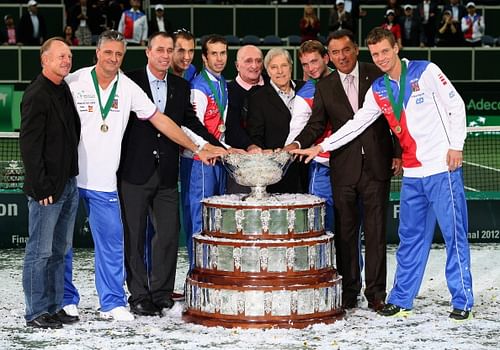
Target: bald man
point(249, 64)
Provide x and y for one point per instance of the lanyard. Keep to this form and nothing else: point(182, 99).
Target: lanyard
point(219, 100)
point(107, 107)
point(397, 107)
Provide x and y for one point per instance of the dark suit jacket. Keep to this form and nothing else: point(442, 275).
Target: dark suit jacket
point(331, 104)
point(144, 148)
point(153, 25)
point(268, 125)
point(48, 139)
point(236, 119)
point(25, 30)
point(268, 119)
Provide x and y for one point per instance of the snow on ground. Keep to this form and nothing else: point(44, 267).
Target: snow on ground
point(427, 328)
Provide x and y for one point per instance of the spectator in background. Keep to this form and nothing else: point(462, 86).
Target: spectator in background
point(8, 34)
point(159, 23)
point(411, 30)
point(182, 59)
point(309, 24)
point(449, 34)
point(134, 24)
point(395, 6)
point(472, 26)
point(457, 11)
point(393, 26)
point(339, 17)
point(32, 29)
point(69, 36)
point(428, 12)
point(353, 7)
point(78, 19)
point(113, 12)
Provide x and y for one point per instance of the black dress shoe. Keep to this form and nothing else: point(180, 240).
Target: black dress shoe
point(64, 318)
point(44, 321)
point(145, 308)
point(164, 304)
point(376, 304)
point(349, 304)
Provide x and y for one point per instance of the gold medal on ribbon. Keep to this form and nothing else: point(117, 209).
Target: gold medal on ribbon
point(221, 128)
point(104, 128)
point(397, 129)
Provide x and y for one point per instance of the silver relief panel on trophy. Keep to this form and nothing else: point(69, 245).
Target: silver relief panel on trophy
point(278, 224)
point(276, 261)
point(301, 224)
point(281, 300)
point(301, 258)
point(228, 224)
point(252, 224)
point(250, 259)
point(229, 302)
point(305, 301)
point(254, 303)
point(226, 258)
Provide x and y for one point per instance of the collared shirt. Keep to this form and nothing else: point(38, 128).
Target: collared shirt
point(246, 85)
point(36, 25)
point(286, 97)
point(158, 89)
point(355, 73)
point(99, 152)
point(432, 122)
point(161, 24)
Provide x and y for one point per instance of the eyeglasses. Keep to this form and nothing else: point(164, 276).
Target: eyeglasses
point(112, 35)
point(182, 30)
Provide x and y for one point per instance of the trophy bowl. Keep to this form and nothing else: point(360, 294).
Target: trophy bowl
point(257, 170)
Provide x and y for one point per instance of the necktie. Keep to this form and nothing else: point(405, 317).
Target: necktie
point(352, 93)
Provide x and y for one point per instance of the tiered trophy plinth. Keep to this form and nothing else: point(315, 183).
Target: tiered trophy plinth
point(263, 262)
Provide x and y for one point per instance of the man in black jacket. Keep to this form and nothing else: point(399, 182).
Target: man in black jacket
point(50, 130)
point(249, 64)
point(148, 180)
point(32, 29)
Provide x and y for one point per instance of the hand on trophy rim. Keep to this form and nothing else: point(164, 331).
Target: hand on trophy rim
point(310, 153)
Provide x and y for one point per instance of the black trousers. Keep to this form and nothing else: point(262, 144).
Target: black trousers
point(162, 205)
point(364, 203)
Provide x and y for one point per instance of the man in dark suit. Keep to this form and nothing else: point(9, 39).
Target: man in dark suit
point(159, 23)
point(269, 115)
point(148, 181)
point(32, 29)
point(50, 131)
point(428, 13)
point(249, 64)
point(360, 171)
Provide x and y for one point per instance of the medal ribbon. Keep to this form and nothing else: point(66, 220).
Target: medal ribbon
point(220, 100)
point(107, 107)
point(397, 107)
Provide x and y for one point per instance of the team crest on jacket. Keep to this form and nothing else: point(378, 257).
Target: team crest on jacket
point(115, 104)
point(414, 86)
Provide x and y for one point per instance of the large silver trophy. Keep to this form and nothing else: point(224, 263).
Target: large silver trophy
point(262, 261)
point(257, 170)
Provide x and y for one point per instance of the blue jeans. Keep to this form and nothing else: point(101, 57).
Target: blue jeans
point(50, 237)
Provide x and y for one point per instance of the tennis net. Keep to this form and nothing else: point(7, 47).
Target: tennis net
point(481, 166)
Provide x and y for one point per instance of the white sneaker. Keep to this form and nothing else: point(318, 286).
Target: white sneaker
point(119, 313)
point(71, 310)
